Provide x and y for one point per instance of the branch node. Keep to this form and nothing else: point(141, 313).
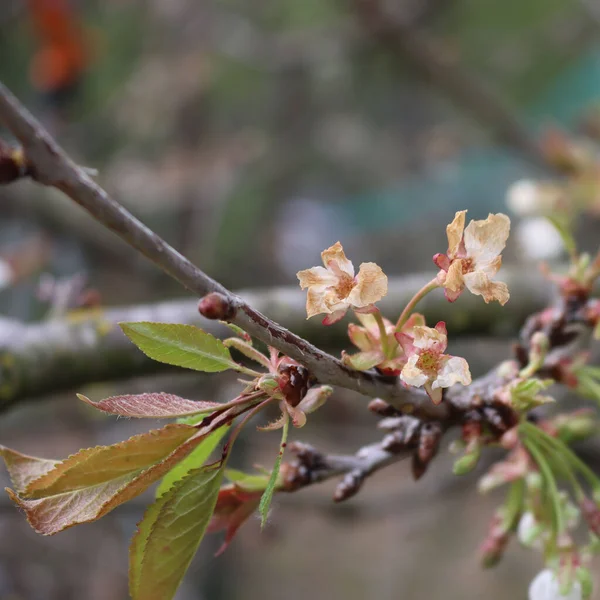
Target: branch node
point(217, 307)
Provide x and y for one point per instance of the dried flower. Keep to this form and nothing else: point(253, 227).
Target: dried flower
point(367, 338)
point(473, 257)
point(427, 365)
point(334, 288)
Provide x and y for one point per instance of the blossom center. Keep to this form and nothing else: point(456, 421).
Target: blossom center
point(428, 363)
point(344, 285)
point(466, 265)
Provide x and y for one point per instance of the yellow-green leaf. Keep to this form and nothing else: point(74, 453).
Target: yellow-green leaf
point(265, 501)
point(170, 533)
point(180, 345)
point(195, 460)
point(101, 464)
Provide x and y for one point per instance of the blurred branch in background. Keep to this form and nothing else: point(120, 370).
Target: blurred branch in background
point(432, 59)
point(87, 346)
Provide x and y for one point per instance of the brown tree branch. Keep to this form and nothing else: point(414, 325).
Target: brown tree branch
point(49, 165)
point(59, 354)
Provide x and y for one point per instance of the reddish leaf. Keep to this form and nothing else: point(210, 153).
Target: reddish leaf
point(24, 469)
point(93, 482)
point(158, 405)
point(101, 464)
point(234, 507)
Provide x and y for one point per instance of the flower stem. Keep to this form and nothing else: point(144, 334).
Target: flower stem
point(383, 335)
point(558, 524)
point(432, 285)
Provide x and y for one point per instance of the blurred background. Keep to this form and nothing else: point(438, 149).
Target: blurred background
point(251, 135)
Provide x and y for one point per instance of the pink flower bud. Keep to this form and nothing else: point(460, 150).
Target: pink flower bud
point(216, 306)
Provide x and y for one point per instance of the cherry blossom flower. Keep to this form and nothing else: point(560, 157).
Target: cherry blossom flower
point(473, 257)
point(334, 288)
point(427, 365)
point(367, 338)
point(546, 586)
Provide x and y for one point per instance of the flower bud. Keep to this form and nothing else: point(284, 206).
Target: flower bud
point(529, 531)
point(269, 385)
point(216, 306)
point(584, 577)
point(12, 163)
point(546, 586)
point(381, 407)
point(591, 513)
point(576, 427)
point(466, 463)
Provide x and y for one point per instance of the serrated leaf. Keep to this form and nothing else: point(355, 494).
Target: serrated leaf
point(265, 501)
point(24, 469)
point(180, 345)
point(101, 464)
point(194, 461)
point(57, 509)
point(169, 534)
point(152, 405)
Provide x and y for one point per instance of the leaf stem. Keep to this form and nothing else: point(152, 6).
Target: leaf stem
point(408, 309)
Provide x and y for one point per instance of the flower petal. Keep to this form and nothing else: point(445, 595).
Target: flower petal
point(454, 231)
point(359, 336)
point(297, 415)
point(371, 285)
point(454, 370)
point(317, 276)
point(455, 280)
point(434, 393)
point(479, 284)
point(427, 338)
point(411, 374)
point(316, 303)
point(336, 255)
point(335, 316)
point(485, 240)
point(363, 361)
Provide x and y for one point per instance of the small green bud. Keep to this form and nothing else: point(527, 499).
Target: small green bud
point(585, 580)
point(466, 463)
point(269, 385)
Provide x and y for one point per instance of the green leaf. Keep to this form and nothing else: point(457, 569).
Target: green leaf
point(195, 460)
point(247, 482)
point(170, 533)
point(265, 501)
point(563, 227)
point(180, 345)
